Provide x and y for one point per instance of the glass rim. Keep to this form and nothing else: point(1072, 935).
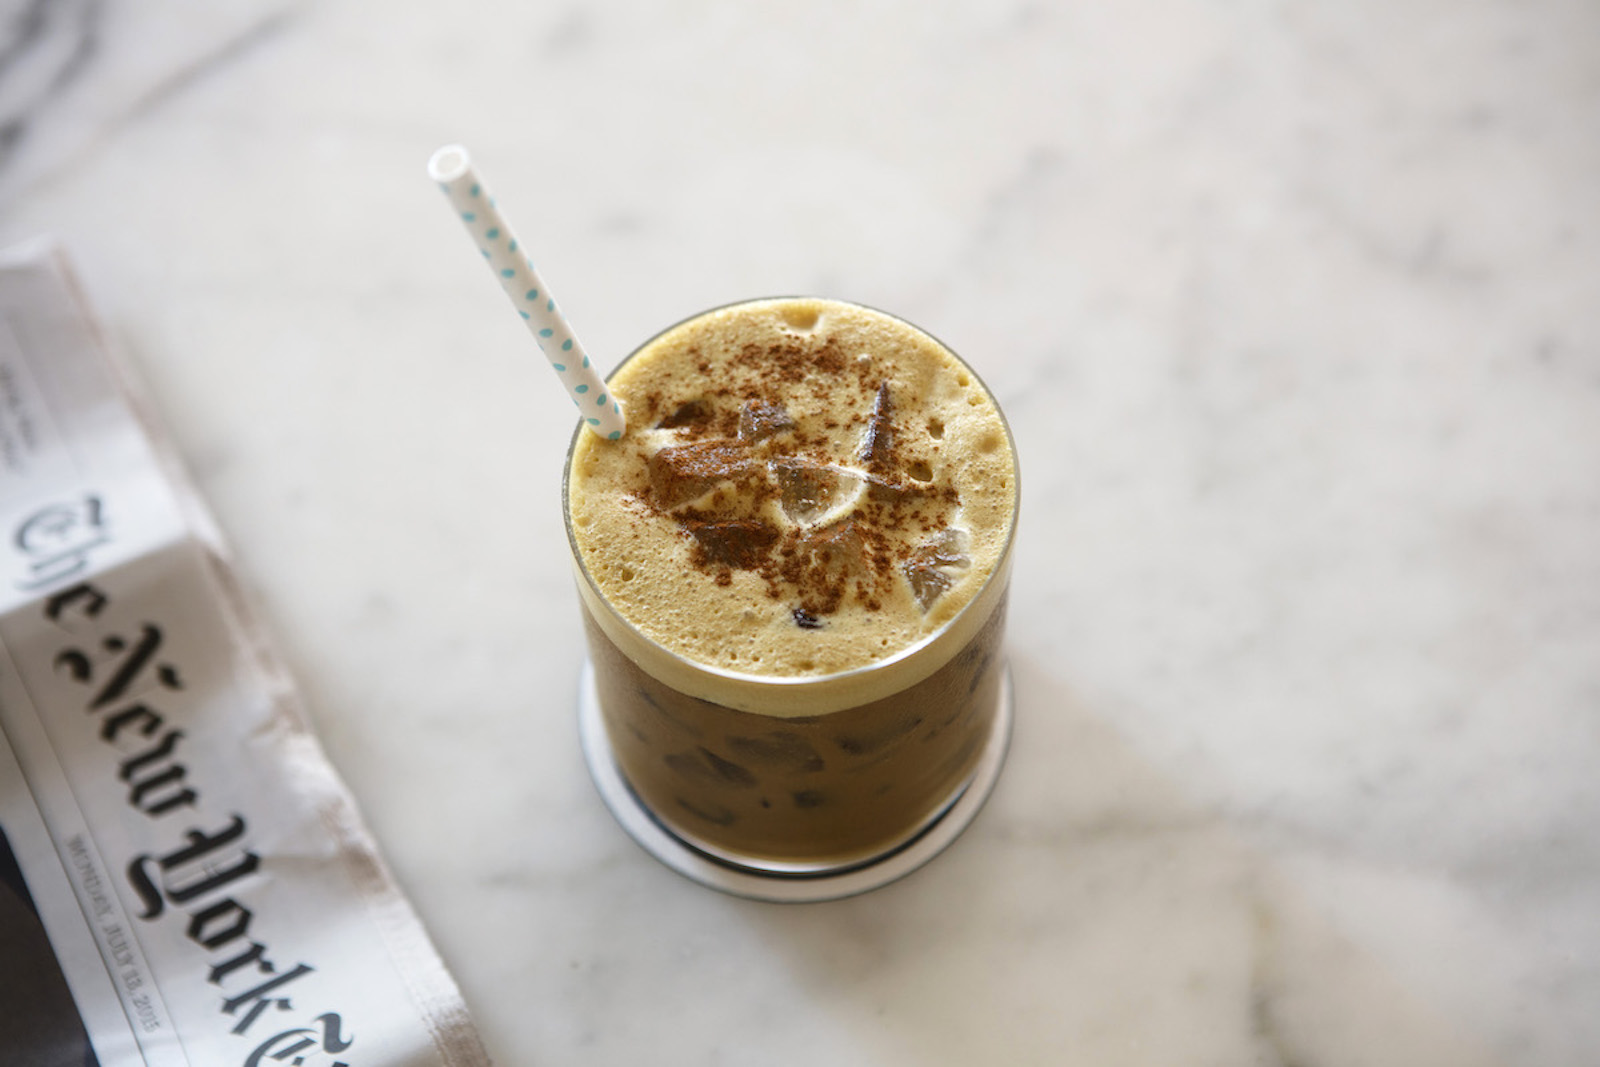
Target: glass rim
point(1001, 569)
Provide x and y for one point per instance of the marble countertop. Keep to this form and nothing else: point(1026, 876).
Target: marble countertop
point(1294, 308)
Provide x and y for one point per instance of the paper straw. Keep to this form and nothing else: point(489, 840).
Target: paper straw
point(452, 168)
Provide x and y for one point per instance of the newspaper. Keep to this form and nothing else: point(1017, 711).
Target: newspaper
point(183, 878)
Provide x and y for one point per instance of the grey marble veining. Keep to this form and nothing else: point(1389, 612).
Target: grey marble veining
point(45, 48)
point(75, 72)
point(1294, 309)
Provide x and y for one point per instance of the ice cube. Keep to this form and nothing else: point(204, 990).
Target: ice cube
point(836, 552)
point(928, 583)
point(781, 750)
point(880, 737)
point(704, 767)
point(894, 491)
point(878, 442)
point(740, 543)
point(682, 473)
point(929, 566)
point(759, 420)
point(715, 814)
point(690, 413)
point(808, 489)
point(947, 547)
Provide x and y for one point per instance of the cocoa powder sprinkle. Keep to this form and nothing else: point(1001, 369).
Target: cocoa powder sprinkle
point(741, 448)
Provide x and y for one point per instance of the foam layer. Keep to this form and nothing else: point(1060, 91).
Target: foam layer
point(806, 488)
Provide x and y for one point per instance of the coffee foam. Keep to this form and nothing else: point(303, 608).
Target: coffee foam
point(781, 509)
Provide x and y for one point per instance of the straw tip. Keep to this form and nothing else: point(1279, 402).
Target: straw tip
point(449, 163)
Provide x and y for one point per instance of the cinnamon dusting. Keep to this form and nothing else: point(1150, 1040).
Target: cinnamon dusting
point(792, 476)
point(718, 488)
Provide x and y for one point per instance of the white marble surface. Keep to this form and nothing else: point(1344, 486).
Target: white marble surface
point(1295, 309)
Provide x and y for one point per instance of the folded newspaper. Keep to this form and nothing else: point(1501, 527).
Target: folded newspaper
point(183, 878)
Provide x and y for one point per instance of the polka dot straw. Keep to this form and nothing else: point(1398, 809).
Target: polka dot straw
point(452, 168)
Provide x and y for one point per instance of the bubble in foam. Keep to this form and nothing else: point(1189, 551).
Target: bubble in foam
point(801, 318)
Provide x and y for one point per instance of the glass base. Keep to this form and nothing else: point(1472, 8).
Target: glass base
point(729, 876)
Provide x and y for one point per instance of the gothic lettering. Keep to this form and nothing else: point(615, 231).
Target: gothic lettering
point(114, 669)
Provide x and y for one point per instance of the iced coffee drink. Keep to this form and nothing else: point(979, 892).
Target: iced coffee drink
point(793, 571)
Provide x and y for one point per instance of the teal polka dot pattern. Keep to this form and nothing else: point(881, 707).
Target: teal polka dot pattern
point(452, 170)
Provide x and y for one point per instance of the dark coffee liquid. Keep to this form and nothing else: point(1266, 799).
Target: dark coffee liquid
point(818, 790)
